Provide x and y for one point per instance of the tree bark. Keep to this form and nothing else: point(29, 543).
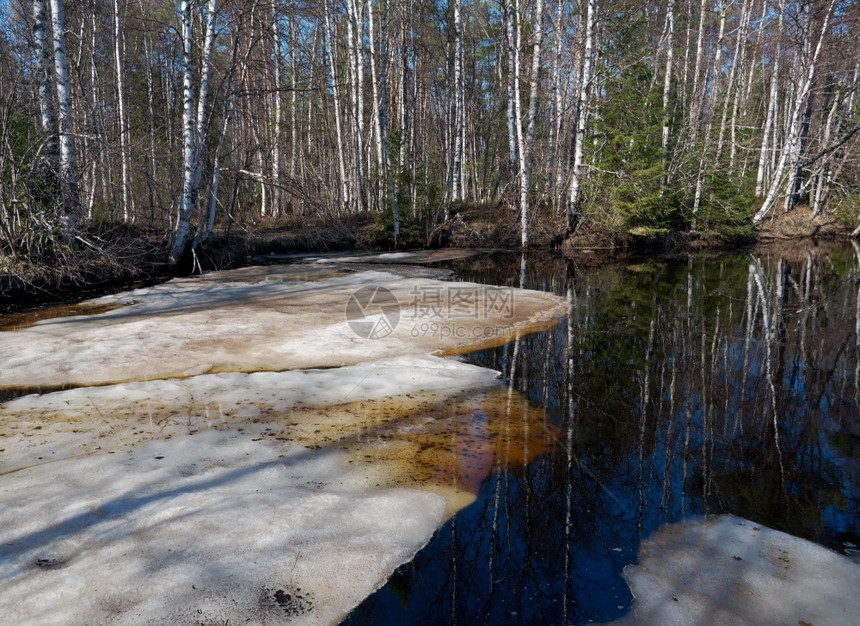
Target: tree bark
point(459, 105)
point(186, 199)
point(344, 198)
point(575, 192)
point(68, 180)
point(526, 148)
point(123, 126)
point(42, 56)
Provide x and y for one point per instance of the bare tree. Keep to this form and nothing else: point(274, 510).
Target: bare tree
point(68, 176)
point(581, 118)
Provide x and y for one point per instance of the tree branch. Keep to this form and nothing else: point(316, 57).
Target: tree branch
point(832, 147)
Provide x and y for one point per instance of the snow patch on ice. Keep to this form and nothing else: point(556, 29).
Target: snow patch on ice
point(205, 528)
point(728, 570)
point(230, 321)
point(275, 497)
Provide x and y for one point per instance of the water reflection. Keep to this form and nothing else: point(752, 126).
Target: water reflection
point(678, 386)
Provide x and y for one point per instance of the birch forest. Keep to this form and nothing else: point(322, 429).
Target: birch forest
point(182, 118)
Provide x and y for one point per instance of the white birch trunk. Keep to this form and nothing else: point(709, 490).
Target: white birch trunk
point(276, 140)
point(738, 90)
point(123, 127)
point(770, 121)
point(730, 85)
point(526, 149)
point(459, 113)
point(42, 57)
point(150, 107)
point(821, 174)
point(513, 71)
point(374, 81)
point(575, 192)
point(293, 96)
point(712, 102)
point(203, 93)
point(354, 32)
point(185, 209)
point(667, 83)
point(695, 101)
point(383, 120)
point(555, 106)
point(518, 114)
point(345, 200)
point(68, 180)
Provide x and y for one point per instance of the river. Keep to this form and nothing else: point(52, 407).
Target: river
point(678, 386)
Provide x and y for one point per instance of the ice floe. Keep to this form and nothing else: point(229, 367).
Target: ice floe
point(233, 475)
point(240, 321)
point(728, 570)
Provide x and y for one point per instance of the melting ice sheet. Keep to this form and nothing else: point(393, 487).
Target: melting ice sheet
point(273, 497)
point(728, 570)
point(261, 496)
point(262, 319)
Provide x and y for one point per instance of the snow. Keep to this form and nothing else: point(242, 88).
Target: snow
point(232, 451)
point(249, 321)
point(728, 570)
point(202, 498)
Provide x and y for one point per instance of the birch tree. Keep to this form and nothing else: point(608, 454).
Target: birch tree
point(790, 156)
point(459, 107)
point(575, 190)
point(344, 197)
point(193, 127)
point(42, 58)
point(120, 99)
point(528, 140)
point(769, 124)
point(68, 179)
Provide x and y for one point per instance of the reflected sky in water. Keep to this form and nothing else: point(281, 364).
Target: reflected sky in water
point(711, 383)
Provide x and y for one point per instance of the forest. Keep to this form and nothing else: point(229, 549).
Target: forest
point(172, 120)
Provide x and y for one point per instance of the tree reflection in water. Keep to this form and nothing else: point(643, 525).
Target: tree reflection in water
point(706, 384)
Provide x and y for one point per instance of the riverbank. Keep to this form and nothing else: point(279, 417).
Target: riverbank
point(104, 260)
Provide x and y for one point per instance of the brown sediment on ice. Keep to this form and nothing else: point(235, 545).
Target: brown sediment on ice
point(234, 496)
point(20, 321)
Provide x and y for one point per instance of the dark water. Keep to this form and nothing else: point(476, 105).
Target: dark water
point(702, 384)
